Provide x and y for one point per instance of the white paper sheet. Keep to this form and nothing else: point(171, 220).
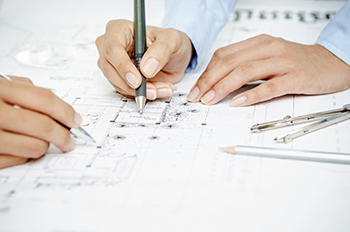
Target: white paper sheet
point(164, 171)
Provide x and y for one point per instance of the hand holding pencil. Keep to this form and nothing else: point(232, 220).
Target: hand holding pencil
point(26, 131)
point(168, 54)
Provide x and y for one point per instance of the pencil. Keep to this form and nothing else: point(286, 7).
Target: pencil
point(140, 49)
point(319, 156)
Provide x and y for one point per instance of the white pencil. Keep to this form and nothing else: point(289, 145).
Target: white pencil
point(331, 157)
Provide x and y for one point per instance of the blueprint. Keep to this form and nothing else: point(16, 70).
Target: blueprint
point(165, 170)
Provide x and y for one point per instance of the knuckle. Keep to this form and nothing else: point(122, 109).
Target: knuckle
point(245, 69)
point(110, 24)
point(22, 80)
point(219, 53)
point(108, 71)
point(105, 69)
point(122, 91)
point(222, 87)
point(67, 111)
point(47, 94)
point(271, 87)
point(254, 96)
point(98, 41)
point(109, 51)
point(171, 32)
point(46, 125)
point(263, 37)
point(227, 61)
point(37, 148)
point(21, 160)
point(48, 99)
point(65, 139)
point(277, 45)
point(26, 80)
point(169, 36)
point(205, 80)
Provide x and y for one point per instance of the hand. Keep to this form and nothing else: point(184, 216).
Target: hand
point(27, 121)
point(164, 63)
point(290, 68)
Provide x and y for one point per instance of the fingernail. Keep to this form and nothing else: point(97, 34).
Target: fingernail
point(193, 94)
point(164, 93)
point(238, 101)
point(151, 94)
point(150, 67)
point(174, 87)
point(71, 145)
point(208, 97)
point(132, 80)
point(77, 120)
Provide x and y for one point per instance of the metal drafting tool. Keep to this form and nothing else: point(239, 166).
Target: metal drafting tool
point(327, 118)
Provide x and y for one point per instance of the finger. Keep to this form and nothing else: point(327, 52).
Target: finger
point(244, 73)
point(36, 125)
point(151, 91)
point(114, 78)
point(9, 160)
point(21, 79)
point(170, 46)
point(164, 89)
point(233, 48)
point(167, 77)
point(21, 145)
point(117, 48)
point(40, 100)
point(272, 88)
point(159, 90)
point(228, 64)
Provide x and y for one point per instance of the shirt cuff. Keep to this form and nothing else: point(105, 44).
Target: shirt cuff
point(336, 35)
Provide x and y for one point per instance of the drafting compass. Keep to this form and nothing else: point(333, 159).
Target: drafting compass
point(327, 118)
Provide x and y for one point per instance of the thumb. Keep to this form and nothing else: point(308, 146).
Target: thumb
point(166, 43)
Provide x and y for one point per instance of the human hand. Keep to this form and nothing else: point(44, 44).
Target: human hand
point(290, 68)
point(164, 63)
point(28, 121)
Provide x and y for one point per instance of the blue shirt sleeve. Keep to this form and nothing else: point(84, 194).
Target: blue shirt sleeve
point(201, 20)
point(336, 35)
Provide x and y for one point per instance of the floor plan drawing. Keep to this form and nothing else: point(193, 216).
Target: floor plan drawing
point(165, 169)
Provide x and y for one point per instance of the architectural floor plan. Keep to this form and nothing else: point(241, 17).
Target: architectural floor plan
point(165, 170)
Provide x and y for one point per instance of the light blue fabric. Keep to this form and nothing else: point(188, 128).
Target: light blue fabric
point(202, 21)
point(336, 35)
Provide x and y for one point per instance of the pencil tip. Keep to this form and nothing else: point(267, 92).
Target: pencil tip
point(231, 150)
